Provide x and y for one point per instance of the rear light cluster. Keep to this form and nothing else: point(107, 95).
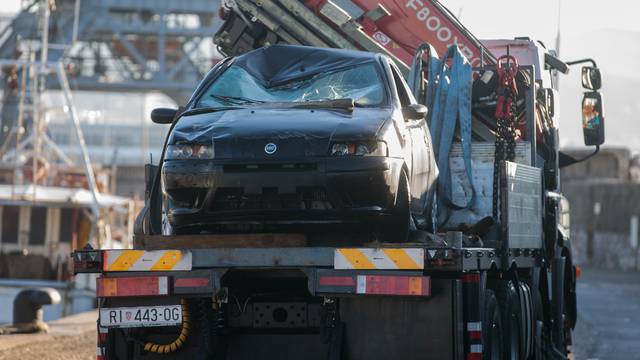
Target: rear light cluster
point(378, 148)
point(124, 286)
point(391, 285)
point(132, 286)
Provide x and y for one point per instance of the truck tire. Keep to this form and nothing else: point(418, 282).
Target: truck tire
point(396, 227)
point(491, 328)
point(509, 302)
point(528, 321)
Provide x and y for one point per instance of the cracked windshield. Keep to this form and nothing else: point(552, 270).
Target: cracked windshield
point(237, 87)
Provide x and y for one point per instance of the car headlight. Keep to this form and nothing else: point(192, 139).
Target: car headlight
point(189, 151)
point(371, 148)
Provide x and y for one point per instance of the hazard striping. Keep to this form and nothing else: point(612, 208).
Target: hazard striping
point(378, 259)
point(140, 260)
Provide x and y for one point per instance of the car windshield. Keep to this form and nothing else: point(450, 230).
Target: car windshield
point(236, 86)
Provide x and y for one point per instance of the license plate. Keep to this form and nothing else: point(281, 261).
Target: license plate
point(143, 316)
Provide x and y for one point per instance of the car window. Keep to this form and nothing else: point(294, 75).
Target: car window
point(403, 95)
point(236, 86)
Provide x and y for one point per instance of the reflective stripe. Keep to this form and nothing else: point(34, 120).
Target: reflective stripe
point(354, 259)
point(476, 348)
point(402, 259)
point(474, 326)
point(124, 261)
point(140, 260)
point(379, 259)
point(167, 261)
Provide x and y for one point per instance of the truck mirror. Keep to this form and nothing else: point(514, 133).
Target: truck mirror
point(591, 78)
point(163, 115)
point(592, 118)
point(414, 112)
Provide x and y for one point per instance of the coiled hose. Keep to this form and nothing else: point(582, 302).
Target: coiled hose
point(179, 341)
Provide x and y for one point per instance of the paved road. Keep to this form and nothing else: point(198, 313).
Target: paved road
point(608, 327)
point(609, 308)
point(70, 338)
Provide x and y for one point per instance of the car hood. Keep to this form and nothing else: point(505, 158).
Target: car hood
point(244, 133)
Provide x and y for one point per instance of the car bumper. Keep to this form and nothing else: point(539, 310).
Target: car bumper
point(316, 190)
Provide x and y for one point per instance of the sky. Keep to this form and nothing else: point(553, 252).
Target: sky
point(539, 18)
point(608, 31)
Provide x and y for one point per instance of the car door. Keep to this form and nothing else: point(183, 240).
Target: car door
point(420, 148)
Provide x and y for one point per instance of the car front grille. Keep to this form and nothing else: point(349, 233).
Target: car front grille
point(305, 198)
point(269, 167)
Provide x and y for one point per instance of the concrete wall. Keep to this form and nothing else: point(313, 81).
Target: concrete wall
point(603, 198)
point(130, 181)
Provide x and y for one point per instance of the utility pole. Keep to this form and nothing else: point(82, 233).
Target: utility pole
point(633, 238)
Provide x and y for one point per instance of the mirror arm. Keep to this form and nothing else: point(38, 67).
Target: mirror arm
point(569, 160)
point(582, 61)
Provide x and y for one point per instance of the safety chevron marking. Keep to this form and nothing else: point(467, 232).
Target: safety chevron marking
point(378, 259)
point(140, 260)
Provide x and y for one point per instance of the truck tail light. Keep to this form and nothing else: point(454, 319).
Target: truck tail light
point(394, 285)
point(337, 281)
point(132, 286)
point(391, 285)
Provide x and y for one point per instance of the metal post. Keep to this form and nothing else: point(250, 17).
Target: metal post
point(46, 13)
point(530, 101)
point(88, 170)
point(76, 20)
point(162, 47)
point(633, 237)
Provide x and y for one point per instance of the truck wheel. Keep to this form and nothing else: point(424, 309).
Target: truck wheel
point(511, 319)
point(396, 227)
point(491, 328)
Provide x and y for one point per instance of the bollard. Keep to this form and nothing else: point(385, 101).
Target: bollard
point(27, 308)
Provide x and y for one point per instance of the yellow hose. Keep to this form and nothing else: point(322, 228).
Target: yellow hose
point(179, 341)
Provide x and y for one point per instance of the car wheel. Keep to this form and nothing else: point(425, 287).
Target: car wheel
point(396, 227)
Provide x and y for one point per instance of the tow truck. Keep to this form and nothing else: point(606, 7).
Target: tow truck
point(493, 280)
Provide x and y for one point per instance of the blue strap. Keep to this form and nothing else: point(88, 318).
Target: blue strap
point(451, 101)
point(416, 74)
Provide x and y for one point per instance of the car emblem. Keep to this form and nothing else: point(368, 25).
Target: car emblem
point(270, 148)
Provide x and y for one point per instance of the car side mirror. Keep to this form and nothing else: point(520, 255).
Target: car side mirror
point(414, 112)
point(163, 115)
point(591, 78)
point(593, 118)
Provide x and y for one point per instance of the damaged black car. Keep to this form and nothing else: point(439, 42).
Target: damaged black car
point(290, 135)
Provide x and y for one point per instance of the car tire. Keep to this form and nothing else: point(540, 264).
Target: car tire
point(509, 302)
point(396, 227)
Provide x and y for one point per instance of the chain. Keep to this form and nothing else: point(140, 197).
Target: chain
point(506, 117)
